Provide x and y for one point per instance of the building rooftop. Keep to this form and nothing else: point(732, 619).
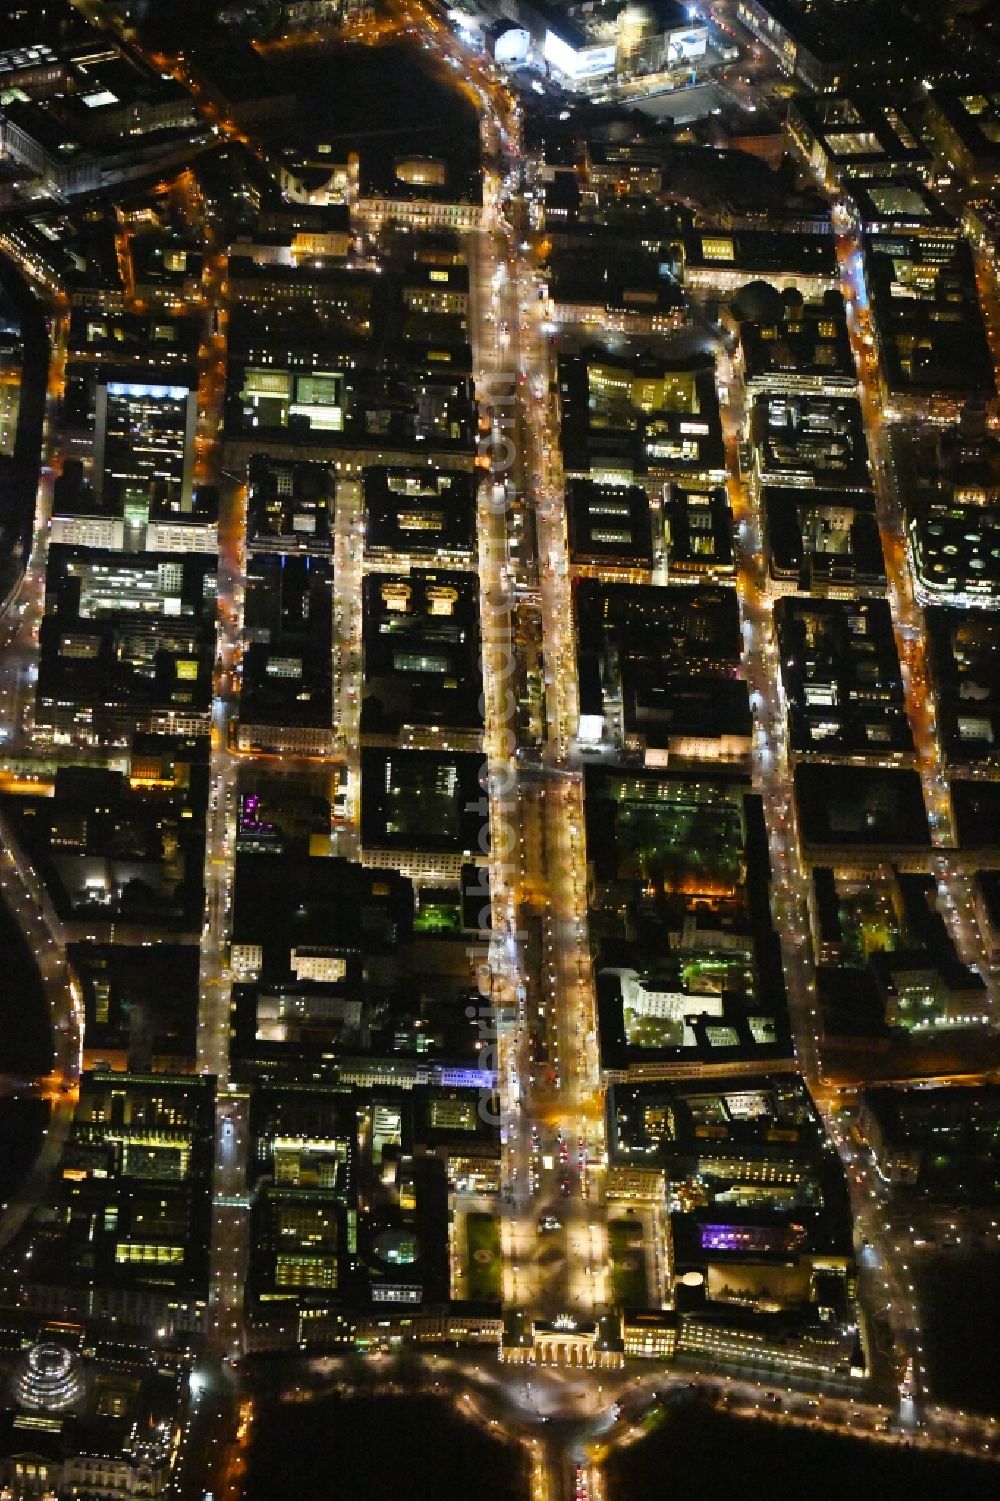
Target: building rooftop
point(928, 321)
point(420, 398)
point(159, 337)
point(281, 814)
point(887, 964)
point(422, 652)
point(857, 40)
point(665, 1122)
point(841, 678)
point(123, 636)
point(135, 1195)
point(764, 253)
point(290, 506)
point(140, 1003)
point(698, 532)
point(976, 807)
point(951, 1131)
point(77, 1398)
point(949, 481)
point(862, 134)
point(670, 657)
point(687, 962)
point(902, 203)
point(806, 348)
point(112, 848)
point(298, 909)
point(638, 416)
point(955, 550)
point(288, 641)
point(609, 524)
point(622, 282)
point(860, 805)
point(424, 801)
point(822, 539)
point(964, 656)
point(966, 120)
point(810, 440)
point(425, 513)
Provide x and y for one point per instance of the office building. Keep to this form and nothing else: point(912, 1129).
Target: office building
point(144, 439)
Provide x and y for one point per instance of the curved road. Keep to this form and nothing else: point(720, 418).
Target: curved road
point(26, 900)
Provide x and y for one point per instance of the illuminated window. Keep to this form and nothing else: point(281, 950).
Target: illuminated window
point(717, 248)
point(305, 1271)
point(148, 1254)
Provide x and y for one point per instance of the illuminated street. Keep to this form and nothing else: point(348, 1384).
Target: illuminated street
point(498, 726)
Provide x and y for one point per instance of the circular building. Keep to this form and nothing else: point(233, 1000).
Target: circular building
point(49, 1378)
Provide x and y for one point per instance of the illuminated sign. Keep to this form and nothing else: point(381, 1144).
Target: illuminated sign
point(594, 62)
point(681, 47)
point(158, 393)
point(588, 62)
point(512, 47)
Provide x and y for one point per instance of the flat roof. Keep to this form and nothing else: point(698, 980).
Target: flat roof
point(422, 651)
point(423, 800)
point(860, 805)
point(841, 675)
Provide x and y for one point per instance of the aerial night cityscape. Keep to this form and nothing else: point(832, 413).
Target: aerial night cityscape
point(499, 750)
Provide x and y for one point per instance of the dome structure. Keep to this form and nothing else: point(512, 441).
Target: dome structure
point(757, 302)
point(49, 1379)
